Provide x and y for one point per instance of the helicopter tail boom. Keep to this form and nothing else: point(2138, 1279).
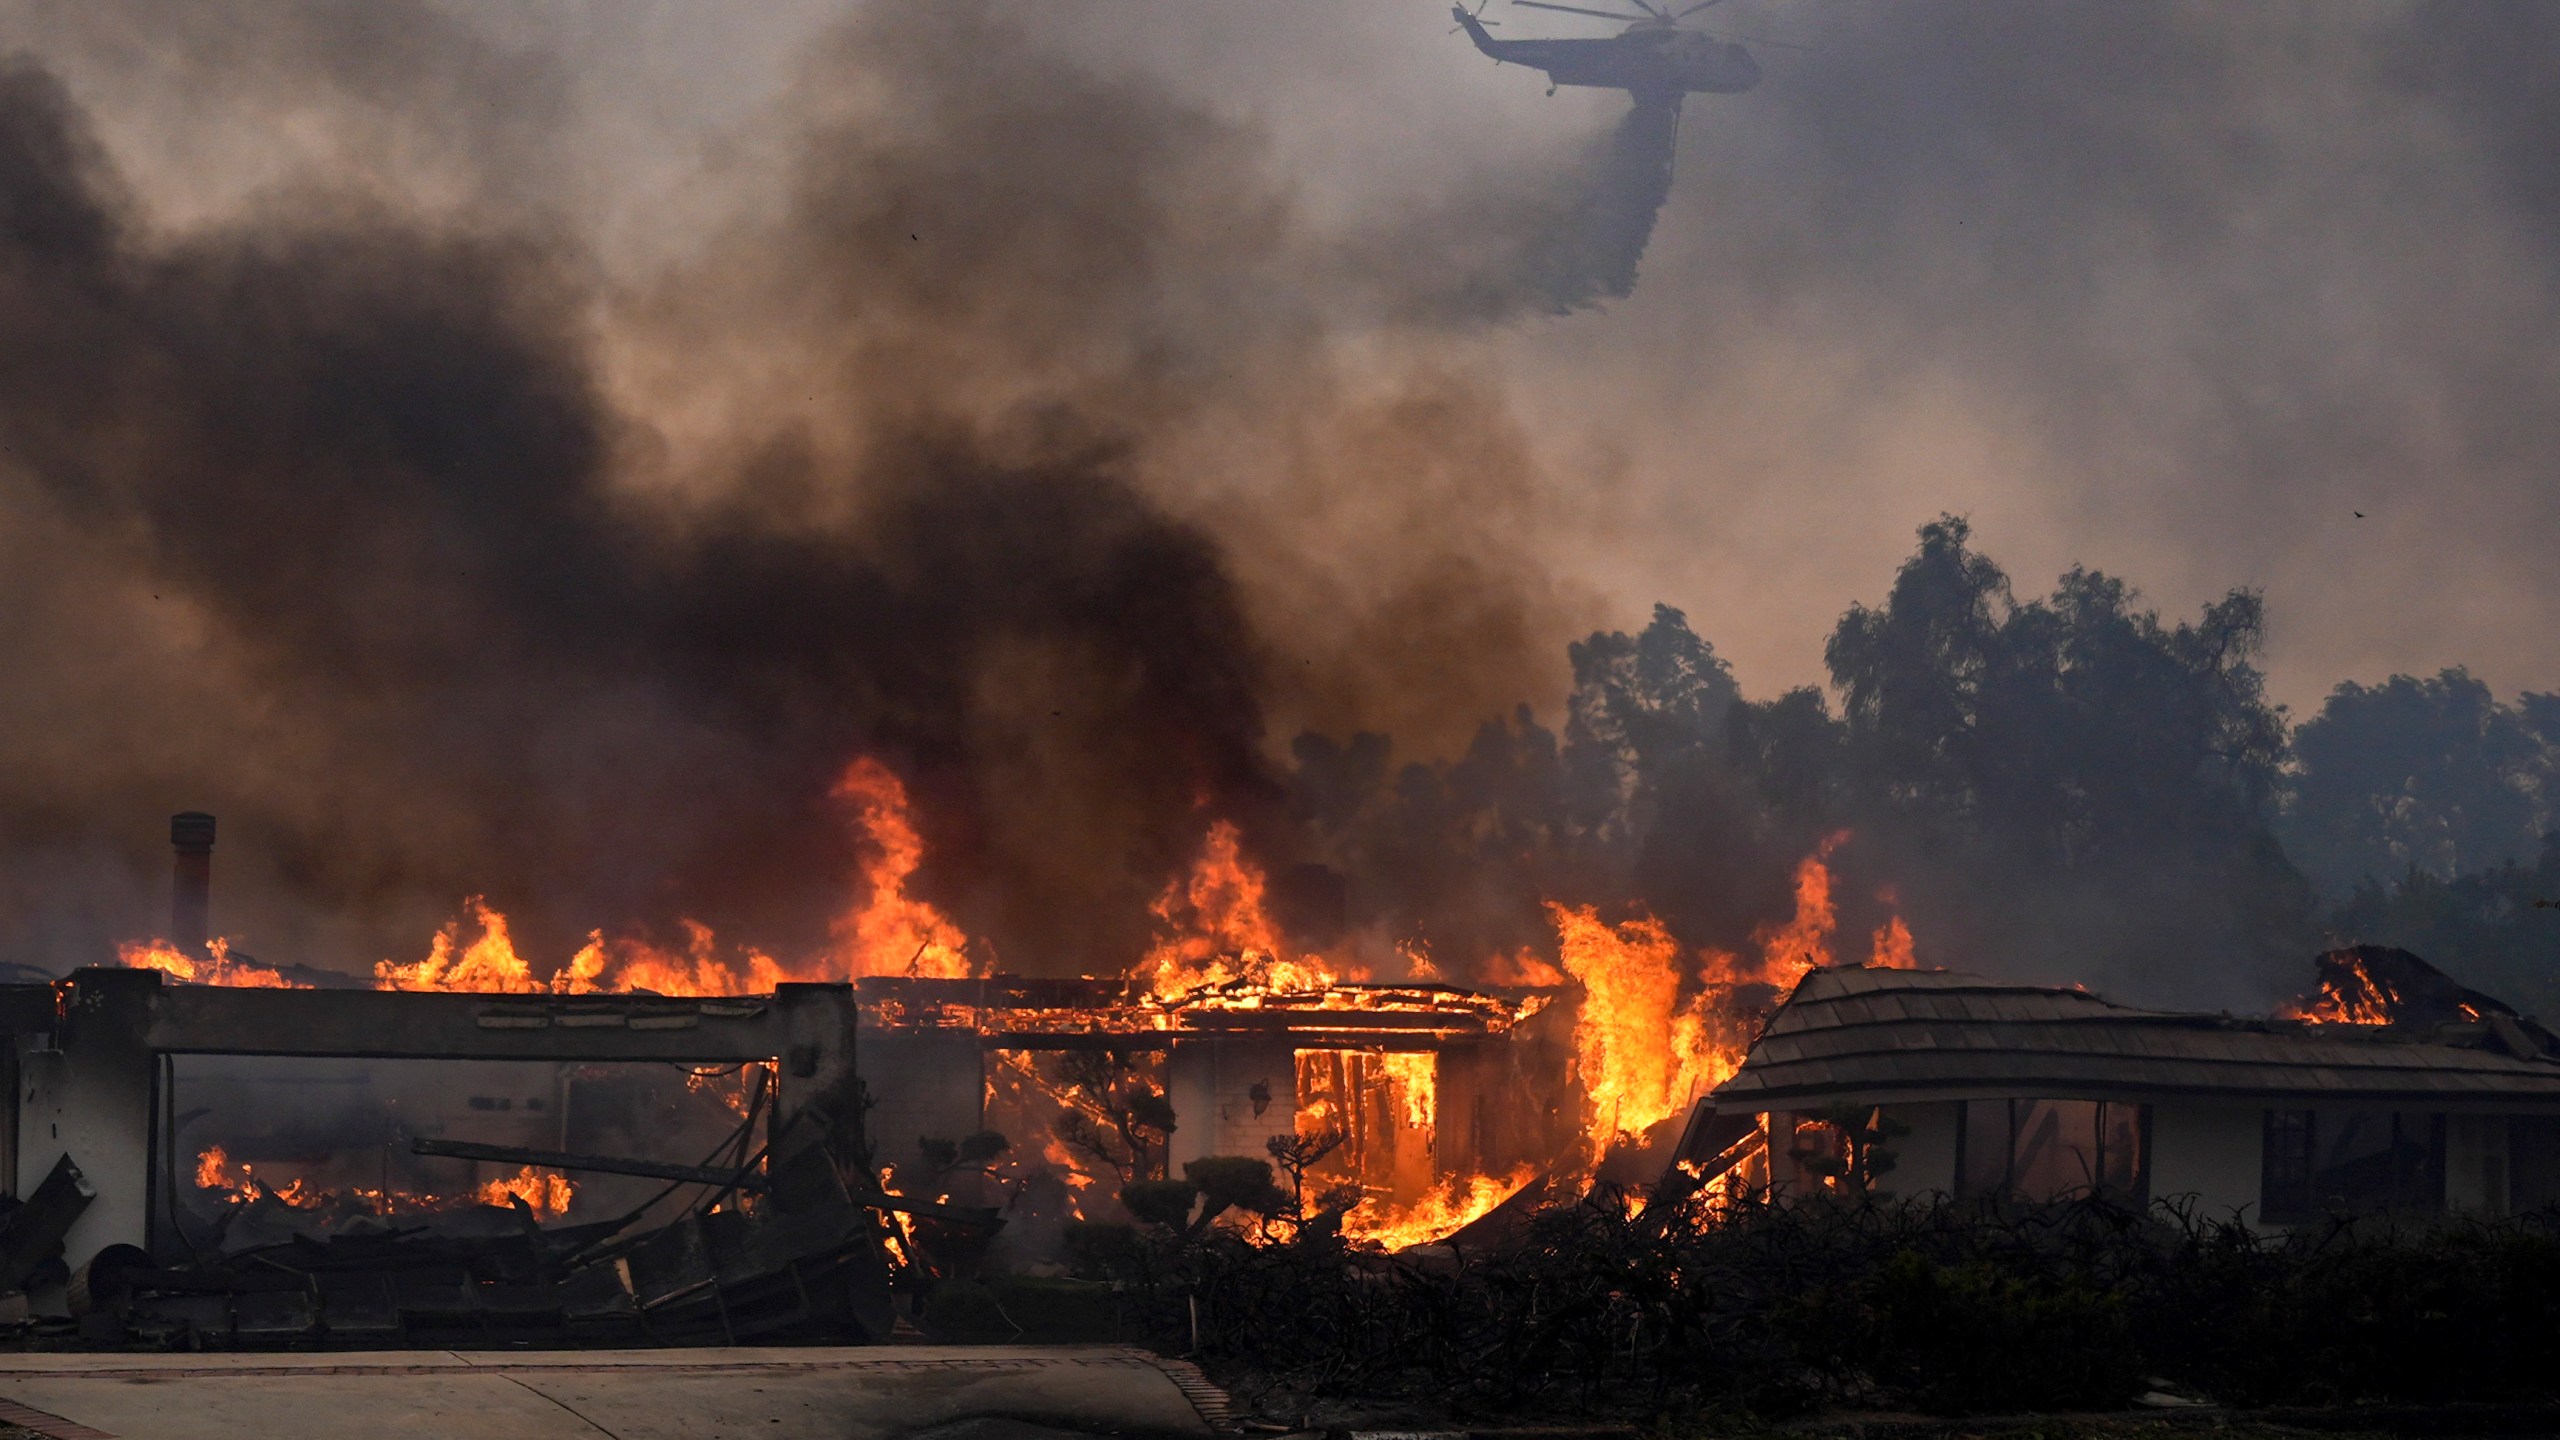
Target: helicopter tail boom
point(1475, 30)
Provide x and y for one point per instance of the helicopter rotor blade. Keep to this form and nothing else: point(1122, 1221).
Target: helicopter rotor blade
point(1694, 9)
point(1648, 7)
point(1575, 10)
point(1762, 40)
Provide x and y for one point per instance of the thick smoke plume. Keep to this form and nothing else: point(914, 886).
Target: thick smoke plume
point(1071, 405)
point(472, 572)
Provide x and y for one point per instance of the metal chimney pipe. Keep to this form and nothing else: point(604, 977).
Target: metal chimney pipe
point(191, 898)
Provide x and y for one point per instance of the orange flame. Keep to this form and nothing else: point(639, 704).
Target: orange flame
point(904, 1253)
point(1524, 968)
point(1638, 1047)
point(1643, 1053)
point(217, 968)
point(214, 1172)
point(1455, 1203)
point(1892, 948)
point(1219, 932)
point(547, 1193)
point(1416, 1078)
point(700, 970)
point(488, 965)
point(736, 1089)
point(2355, 997)
point(1802, 945)
point(891, 933)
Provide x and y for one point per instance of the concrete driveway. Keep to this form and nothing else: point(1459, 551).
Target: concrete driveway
point(956, 1393)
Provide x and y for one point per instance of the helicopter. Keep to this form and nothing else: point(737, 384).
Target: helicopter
point(1655, 59)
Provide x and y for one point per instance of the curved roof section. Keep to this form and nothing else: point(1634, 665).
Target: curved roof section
point(1869, 1036)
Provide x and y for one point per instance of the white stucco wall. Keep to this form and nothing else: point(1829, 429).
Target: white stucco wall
point(1210, 1085)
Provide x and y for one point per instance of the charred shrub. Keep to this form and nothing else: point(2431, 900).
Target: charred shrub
point(2387, 1309)
point(1973, 1335)
point(1603, 1306)
point(1101, 1250)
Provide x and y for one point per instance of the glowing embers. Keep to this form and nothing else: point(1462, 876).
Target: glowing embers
point(283, 1148)
point(1079, 1125)
point(544, 1194)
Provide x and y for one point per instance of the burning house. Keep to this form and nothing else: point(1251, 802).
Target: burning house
point(631, 1130)
point(706, 1143)
point(1427, 1094)
point(2392, 1088)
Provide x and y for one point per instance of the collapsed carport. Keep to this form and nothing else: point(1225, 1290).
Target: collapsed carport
point(91, 1140)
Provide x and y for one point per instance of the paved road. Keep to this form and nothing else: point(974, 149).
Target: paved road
point(927, 1393)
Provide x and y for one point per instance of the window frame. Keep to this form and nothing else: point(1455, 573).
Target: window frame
point(2006, 1187)
point(2419, 1187)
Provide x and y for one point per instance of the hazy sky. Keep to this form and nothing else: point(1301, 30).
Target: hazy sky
point(2171, 290)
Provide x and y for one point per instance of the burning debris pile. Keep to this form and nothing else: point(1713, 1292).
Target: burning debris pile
point(735, 1271)
point(544, 1195)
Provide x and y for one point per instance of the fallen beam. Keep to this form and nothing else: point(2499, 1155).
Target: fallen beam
point(688, 1174)
point(35, 1229)
point(603, 1164)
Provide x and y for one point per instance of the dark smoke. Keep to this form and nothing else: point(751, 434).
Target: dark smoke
point(440, 583)
point(375, 461)
point(997, 412)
